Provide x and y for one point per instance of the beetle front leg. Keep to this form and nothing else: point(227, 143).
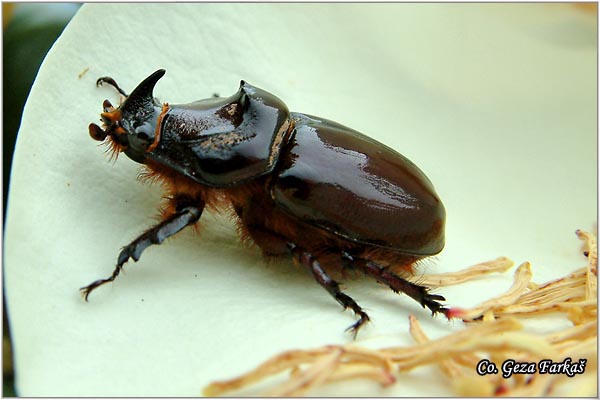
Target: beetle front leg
point(331, 286)
point(398, 284)
point(156, 235)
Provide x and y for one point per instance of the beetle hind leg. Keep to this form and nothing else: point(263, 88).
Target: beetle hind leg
point(309, 261)
point(397, 284)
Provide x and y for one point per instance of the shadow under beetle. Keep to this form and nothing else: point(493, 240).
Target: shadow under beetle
point(298, 185)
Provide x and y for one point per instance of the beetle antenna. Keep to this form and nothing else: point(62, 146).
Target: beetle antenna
point(111, 82)
point(97, 133)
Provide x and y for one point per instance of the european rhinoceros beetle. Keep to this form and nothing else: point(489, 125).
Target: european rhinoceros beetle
point(297, 185)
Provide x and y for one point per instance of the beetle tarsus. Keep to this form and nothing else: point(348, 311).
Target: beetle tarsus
point(331, 286)
point(111, 82)
point(155, 235)
point(363, 316)
point(397, 284)
point(85, 291)
point(429, 301)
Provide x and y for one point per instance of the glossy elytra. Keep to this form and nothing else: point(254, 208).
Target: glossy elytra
point(297, 185)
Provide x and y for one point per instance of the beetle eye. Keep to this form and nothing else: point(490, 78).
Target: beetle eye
point(144, 132)
point(141, 136)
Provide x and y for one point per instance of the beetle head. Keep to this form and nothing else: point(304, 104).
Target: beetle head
point(131, 127)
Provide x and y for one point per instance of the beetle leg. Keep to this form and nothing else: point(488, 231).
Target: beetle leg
point(155, 235)
point(398, 284)
point(111, 82)
point(272, 245)
point(331, 286)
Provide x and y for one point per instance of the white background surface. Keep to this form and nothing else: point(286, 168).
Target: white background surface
point(496, 103)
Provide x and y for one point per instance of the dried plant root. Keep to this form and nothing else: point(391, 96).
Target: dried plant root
point(570, 295)
point(277, 364)
point(494, 334)
point(591, 252)
point(313, 376)
point(500, 264)
point(330, 363)
point(521, 281)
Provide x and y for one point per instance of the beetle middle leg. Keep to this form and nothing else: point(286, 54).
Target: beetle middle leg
point(330, 285)
point(183, 217)
point(397, 284)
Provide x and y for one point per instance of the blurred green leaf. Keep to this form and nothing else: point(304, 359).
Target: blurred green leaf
point(28, 35)
point(26, 41)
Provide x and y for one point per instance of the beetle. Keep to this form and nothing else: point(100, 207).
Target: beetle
point(297, 185)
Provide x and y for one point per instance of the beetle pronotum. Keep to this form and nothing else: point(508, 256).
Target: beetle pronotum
point(297, 185)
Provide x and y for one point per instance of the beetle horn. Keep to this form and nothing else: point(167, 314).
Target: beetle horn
point(142, 97)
